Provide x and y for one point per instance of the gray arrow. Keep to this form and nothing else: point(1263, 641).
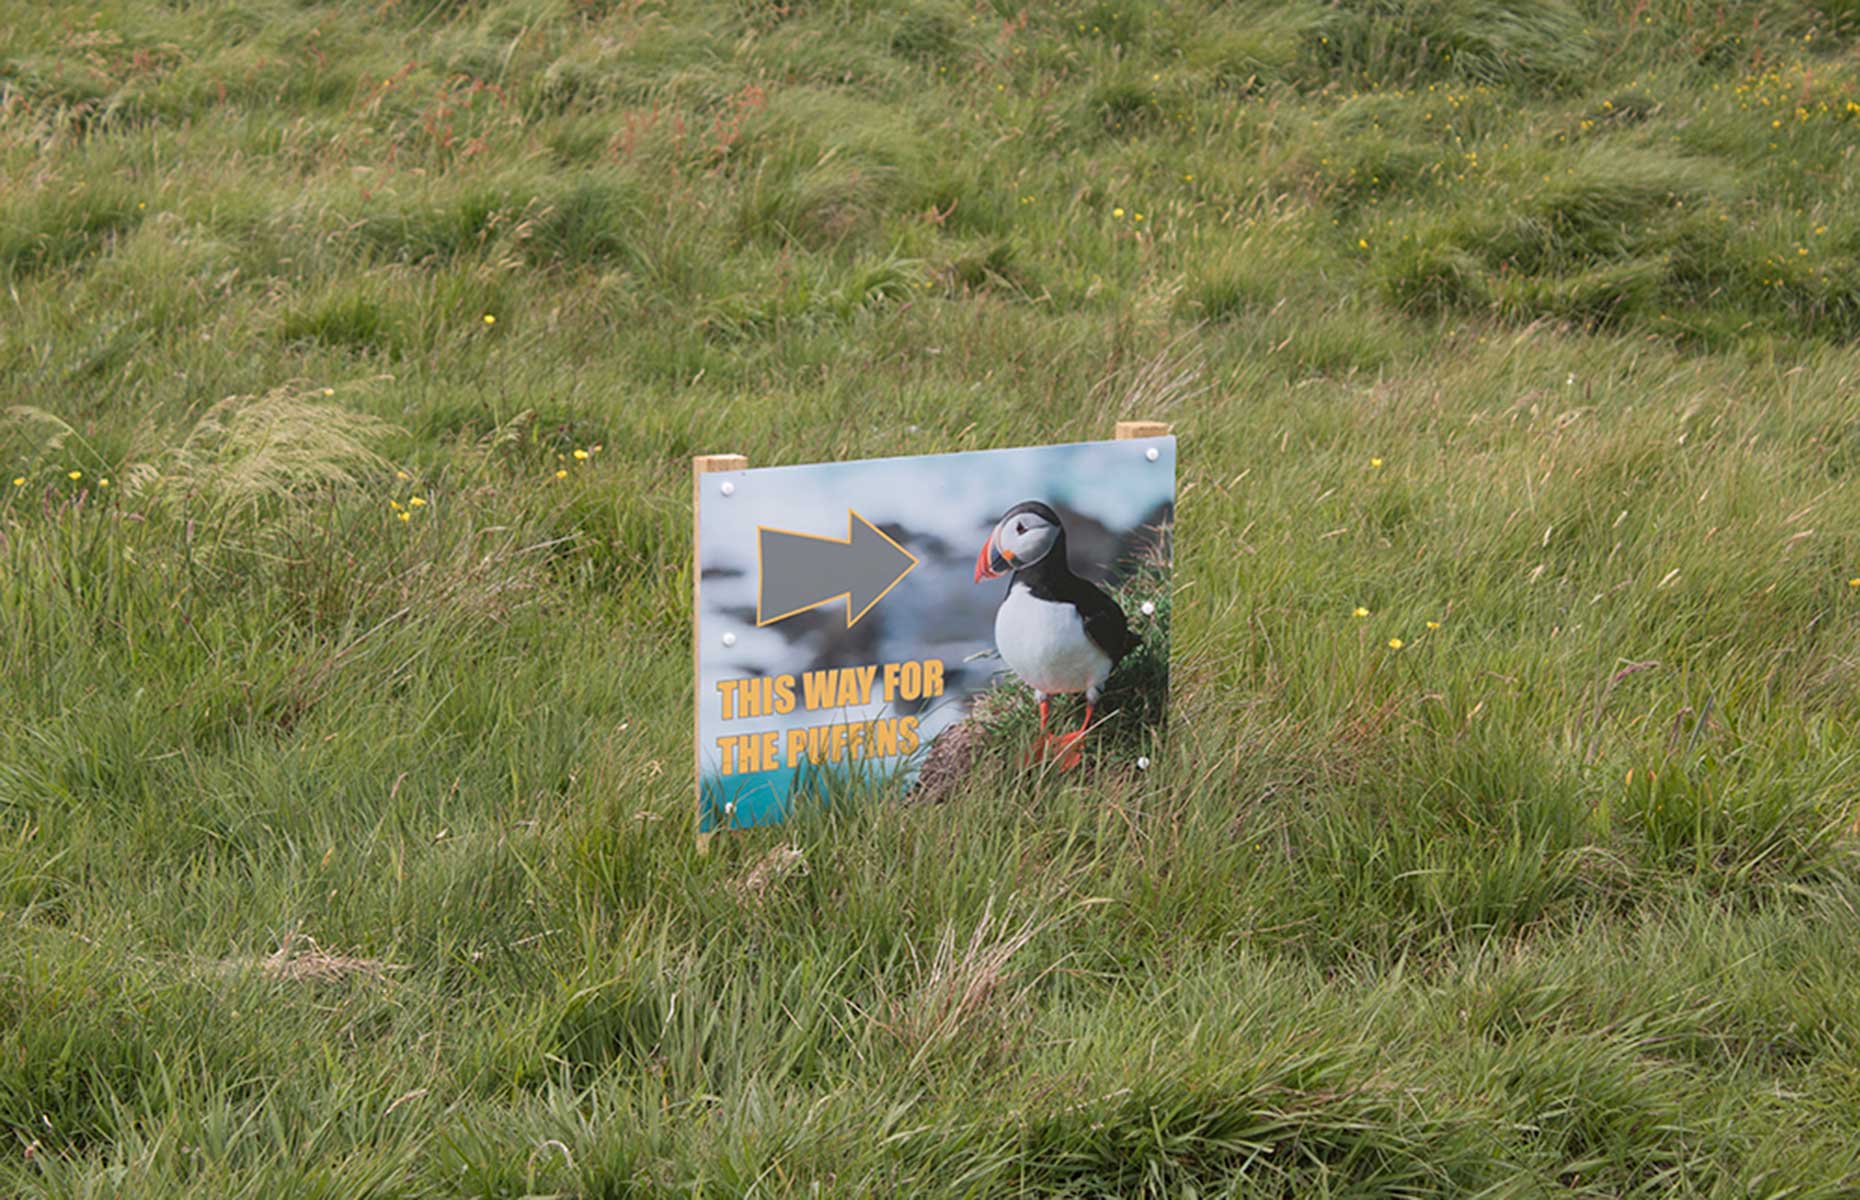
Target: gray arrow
point(799, 571)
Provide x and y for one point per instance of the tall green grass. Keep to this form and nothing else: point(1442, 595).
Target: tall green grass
point(345, 819)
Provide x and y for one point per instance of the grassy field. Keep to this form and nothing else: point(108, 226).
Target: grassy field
point(353, 355)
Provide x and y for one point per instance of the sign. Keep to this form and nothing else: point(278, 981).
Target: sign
point(850, 615)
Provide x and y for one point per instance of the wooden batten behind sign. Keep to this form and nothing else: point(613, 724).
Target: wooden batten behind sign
point(701, 466)
point(1127, 430)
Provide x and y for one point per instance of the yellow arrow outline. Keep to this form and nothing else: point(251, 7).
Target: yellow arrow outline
point(851, 618)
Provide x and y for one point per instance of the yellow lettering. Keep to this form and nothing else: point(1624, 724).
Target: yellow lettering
point(817, 688)
point(914, 680)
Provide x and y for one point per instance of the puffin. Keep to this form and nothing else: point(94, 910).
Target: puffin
point(1061, 634)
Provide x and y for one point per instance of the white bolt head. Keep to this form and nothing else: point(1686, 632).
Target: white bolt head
point(1149, 609)
point(729, 810)
point(728, 488)
point(729, 639)
point(1152, 454)
point(1143, 764)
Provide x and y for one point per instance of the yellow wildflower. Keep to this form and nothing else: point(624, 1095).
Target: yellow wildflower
point(1375, 464)
point(1395, 643)
point(1118, 213)
point(1360, 612)
point(489, 319)
point(580, 454)
point(19, 481)
point(103, 483)
point(561, 473)
point(417, 502)
point(74, 475)
point(405, 516)
point(1433, 624)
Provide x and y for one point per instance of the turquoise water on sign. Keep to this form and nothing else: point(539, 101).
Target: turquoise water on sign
point(760, 797)
point(770, 797)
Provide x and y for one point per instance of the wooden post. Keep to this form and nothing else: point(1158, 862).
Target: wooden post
point(701, 466)
point(1127, 430)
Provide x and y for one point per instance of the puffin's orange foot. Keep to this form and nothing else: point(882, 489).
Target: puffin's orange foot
point(1071, 747)
point(1041, 748)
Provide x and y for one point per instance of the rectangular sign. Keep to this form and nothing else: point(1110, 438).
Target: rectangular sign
point(849, 615)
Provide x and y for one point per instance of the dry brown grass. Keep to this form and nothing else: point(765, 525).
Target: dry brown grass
point(966, 995)
point(244, 449)
point(1159, 387)
point(767, 873)
point(298, 959)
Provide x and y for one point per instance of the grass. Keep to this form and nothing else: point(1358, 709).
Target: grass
point(345, 820)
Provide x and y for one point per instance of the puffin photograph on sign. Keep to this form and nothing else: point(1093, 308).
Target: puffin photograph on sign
point(897, 623)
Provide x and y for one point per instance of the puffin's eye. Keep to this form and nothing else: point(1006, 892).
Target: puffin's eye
point(1020, 527)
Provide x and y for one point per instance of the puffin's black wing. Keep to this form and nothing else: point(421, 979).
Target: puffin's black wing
point(1104, 620)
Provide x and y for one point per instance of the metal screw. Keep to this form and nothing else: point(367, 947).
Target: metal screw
point(728, 488)
point(729, 639)
point(1152, 454)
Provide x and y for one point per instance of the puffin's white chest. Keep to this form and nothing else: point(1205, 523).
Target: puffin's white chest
point(1044, 642)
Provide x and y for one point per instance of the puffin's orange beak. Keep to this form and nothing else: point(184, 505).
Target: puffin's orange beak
point(985, 562)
